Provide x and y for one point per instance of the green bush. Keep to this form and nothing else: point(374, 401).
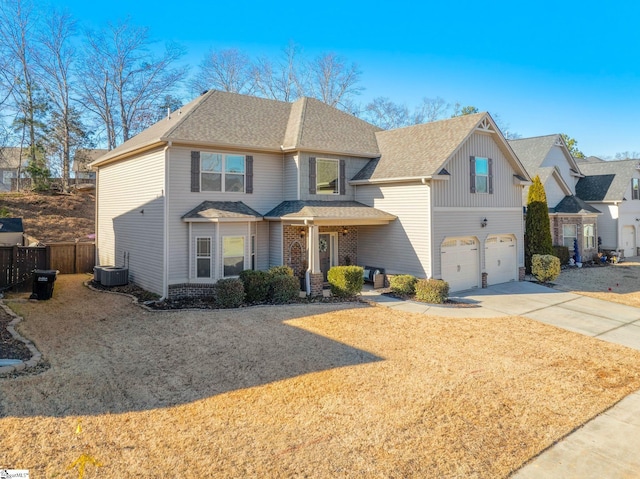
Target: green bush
point(403, 284)
point(277, 270)
point(345, 281)
point(432, 291)
point(537, 231)
point(228, 293)
point(562, 253)
point(545, 267)
point(283, 288)
point(256, 285)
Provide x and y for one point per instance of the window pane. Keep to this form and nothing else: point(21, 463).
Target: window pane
point(211, 162)
point(233, 266)
point(234, 164)
point(481, 184)
point(204, 247)
point(569, 230)
point(233, 246)
point(234, 183)
point(326, 177)
point(211, 182)
point(204, 267)
point(482, 166)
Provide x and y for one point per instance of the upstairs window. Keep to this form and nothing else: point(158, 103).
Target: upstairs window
point(327, 177)
point(635, 188)
point(481, 170)
point(221, 172)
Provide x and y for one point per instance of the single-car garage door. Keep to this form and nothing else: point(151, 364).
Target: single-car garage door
point(628, 241)
point(500, 259)
point(460, 263)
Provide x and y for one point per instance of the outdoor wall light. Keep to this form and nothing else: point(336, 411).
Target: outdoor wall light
point(302, 233)
point(345, 232)
point(484, 222)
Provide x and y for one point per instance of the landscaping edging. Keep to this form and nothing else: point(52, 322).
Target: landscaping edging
point(36, 355)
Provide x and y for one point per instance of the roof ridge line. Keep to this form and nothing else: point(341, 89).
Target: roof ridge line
point(188, 114)
point(303, 112)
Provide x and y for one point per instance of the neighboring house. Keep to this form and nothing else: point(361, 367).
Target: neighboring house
point(233, 182)
point(571, 218)
point(81, 160)
point(11, 232)
point(9, 165)
point(613, 187)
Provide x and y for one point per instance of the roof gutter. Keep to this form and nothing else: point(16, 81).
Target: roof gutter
point(403, 179)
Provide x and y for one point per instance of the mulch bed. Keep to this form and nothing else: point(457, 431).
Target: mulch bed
point(10, 347)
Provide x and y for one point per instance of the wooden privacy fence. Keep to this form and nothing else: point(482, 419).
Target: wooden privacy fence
point(17, 262)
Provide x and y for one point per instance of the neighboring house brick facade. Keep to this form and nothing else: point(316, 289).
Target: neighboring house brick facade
point(232, 182)
point(548, 158)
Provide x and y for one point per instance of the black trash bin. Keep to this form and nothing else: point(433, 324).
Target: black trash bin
point(43, 280)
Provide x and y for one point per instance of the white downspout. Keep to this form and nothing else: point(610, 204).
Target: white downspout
point(165, 248)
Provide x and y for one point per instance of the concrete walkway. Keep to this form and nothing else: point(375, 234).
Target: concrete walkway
point(608, 445)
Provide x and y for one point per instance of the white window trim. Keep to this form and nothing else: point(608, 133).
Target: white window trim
point(197, 257)
point(635, 192)
point(244, 253)
point(337, 163)
point(585, 237)
point(572, 236)
point(476, 175)
point(223, 172)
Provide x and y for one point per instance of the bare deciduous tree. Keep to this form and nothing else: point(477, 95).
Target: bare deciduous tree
point(227, 70)
point(332, 81)
point(283, 79)
point(122, 82)
point(431, 109)
point(386, 114)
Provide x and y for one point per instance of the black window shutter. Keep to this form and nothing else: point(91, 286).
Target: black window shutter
point(343, 180)
point(472, 171)
point(490, 179)
point(249, 171)
point(195, 171)
point(312, 175)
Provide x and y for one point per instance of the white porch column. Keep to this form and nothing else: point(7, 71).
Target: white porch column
point(314, 249)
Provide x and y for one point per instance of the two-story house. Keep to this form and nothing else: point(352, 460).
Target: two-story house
point(613, 187)
point(232, 182)
point(570, 216)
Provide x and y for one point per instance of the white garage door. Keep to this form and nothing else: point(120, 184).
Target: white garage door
point(500, 259)
point(460, 263)
point(628, 241)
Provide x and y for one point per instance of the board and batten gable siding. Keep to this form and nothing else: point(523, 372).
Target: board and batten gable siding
point(402, 246)
point(465, 222)
point(457, 191)
point(267, 194)
point(556, 157)
point(352, 166)
point(275, 243)
point(125, 190)
point(291, 191)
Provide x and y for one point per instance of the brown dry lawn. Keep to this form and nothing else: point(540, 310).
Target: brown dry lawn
point(619, 283)
point(322, 390)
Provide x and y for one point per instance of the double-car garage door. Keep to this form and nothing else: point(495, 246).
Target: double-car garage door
point(461, 261)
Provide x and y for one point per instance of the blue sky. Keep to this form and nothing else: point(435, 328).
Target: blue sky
point(544, 67)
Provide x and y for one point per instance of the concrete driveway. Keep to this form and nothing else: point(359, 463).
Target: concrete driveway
point(606, 446)
point(612, 322)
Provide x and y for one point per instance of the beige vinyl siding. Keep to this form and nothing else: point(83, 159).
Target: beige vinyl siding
point(402, 246)
point(456, 191)
point(464, 222)
point(267, 193)
point(275, 243)
point(352, 166)
point(556, 158)
point(125, 189)
point(262, 245)
point(607, 228)
point(554, 192)
point(290, 178)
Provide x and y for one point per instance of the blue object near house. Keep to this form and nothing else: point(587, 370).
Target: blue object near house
point(11, 231)
point(576, 255)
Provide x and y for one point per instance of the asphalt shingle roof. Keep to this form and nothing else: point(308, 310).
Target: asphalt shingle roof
point(221, 209)
point(605, 180)
point(533, 151)
point(573, 205)
point(328, 210)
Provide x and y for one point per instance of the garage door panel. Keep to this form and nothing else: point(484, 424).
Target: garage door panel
point(501, 259)
point(460, 263)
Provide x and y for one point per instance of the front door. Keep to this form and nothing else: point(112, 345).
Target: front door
point(325, 254)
